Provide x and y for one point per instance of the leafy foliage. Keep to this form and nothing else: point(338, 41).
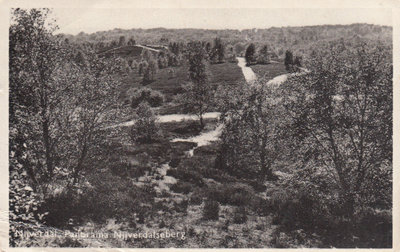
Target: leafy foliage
point(61, 99)
point(263, 55)
point(338, 108)
point(250, 54)
point(217, 54)
point(152, 97)
point(289, 60)
point(198, 93)
point(145, 128)
point(253, 134)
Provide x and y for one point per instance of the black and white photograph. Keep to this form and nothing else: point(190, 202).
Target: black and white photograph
point(217, 127)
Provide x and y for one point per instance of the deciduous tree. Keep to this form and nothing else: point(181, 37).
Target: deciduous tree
point(342, 113)
point(145, 128)
point(249, 55)
point(198, 93)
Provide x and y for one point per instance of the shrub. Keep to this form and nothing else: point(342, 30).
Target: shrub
point(107, 197)
point(261, 206)
point(211, 210)
point(182, 206)
point(182, 187)
point(233, 194)
point(374, 228)
point(124, 168)
point(23, 204)
point(172, 172)
point(217, 175)
point(145, 129)
point(196, 198)
point(63, 207)
point(149, 72)
point(142, 66)
point(298, 211)
point(152, 97)
point(175, 161)
point(187, 175)
point(258, 186)
point(161, 205)
point(239, 215)
point(201, 167)
point(162, 224)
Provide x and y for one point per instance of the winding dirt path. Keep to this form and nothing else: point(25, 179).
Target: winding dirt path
point(248, 73)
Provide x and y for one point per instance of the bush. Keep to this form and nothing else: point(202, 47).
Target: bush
point(152, 97)
point(239, 215)
point(211, 210)
point(182, 206)
point(236, 194)
point(172, 172)
point(150, 71)
point(202, 166)
point(182, 187)
point(257, 185)
point(23, 204)
point(187, 175)
point(61, 208)
point(187, 128)
point(196, 198)
point(175, 161)
point(298, 211)
point(145, 129)
point(108, 196)
point(374, 228)
point(124, 168)
point(261, 206)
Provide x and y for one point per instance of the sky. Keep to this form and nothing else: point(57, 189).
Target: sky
point(89, 20)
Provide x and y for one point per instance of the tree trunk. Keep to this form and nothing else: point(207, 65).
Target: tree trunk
point(46, 140)
point(265, 165)
point(201, 121)
point(79, 166)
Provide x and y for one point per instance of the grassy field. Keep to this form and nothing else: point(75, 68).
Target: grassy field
point(269, 71)
point(226, 74)
point(169, 84)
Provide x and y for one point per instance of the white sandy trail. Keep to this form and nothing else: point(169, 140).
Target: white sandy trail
point(173, 118)
point(248, 73)
point(203, 139)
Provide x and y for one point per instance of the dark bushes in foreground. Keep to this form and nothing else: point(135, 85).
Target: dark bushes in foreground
point(300, 216)
point(107, 197)
point(182, 187)
point(236, 194)
point(186, 175)
point(240, 215)
point(211, 210)
point(196, 198)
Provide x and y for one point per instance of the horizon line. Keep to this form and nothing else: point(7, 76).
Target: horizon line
point(59, 32)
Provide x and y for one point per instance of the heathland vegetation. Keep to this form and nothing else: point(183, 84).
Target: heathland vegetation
point(157, 130)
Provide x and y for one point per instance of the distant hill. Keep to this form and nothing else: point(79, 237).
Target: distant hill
point(299, 39)
point(273, 34)
point(131, 51)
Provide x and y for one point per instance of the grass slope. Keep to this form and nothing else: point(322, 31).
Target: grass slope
point(269, 71)
point(170, 84)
